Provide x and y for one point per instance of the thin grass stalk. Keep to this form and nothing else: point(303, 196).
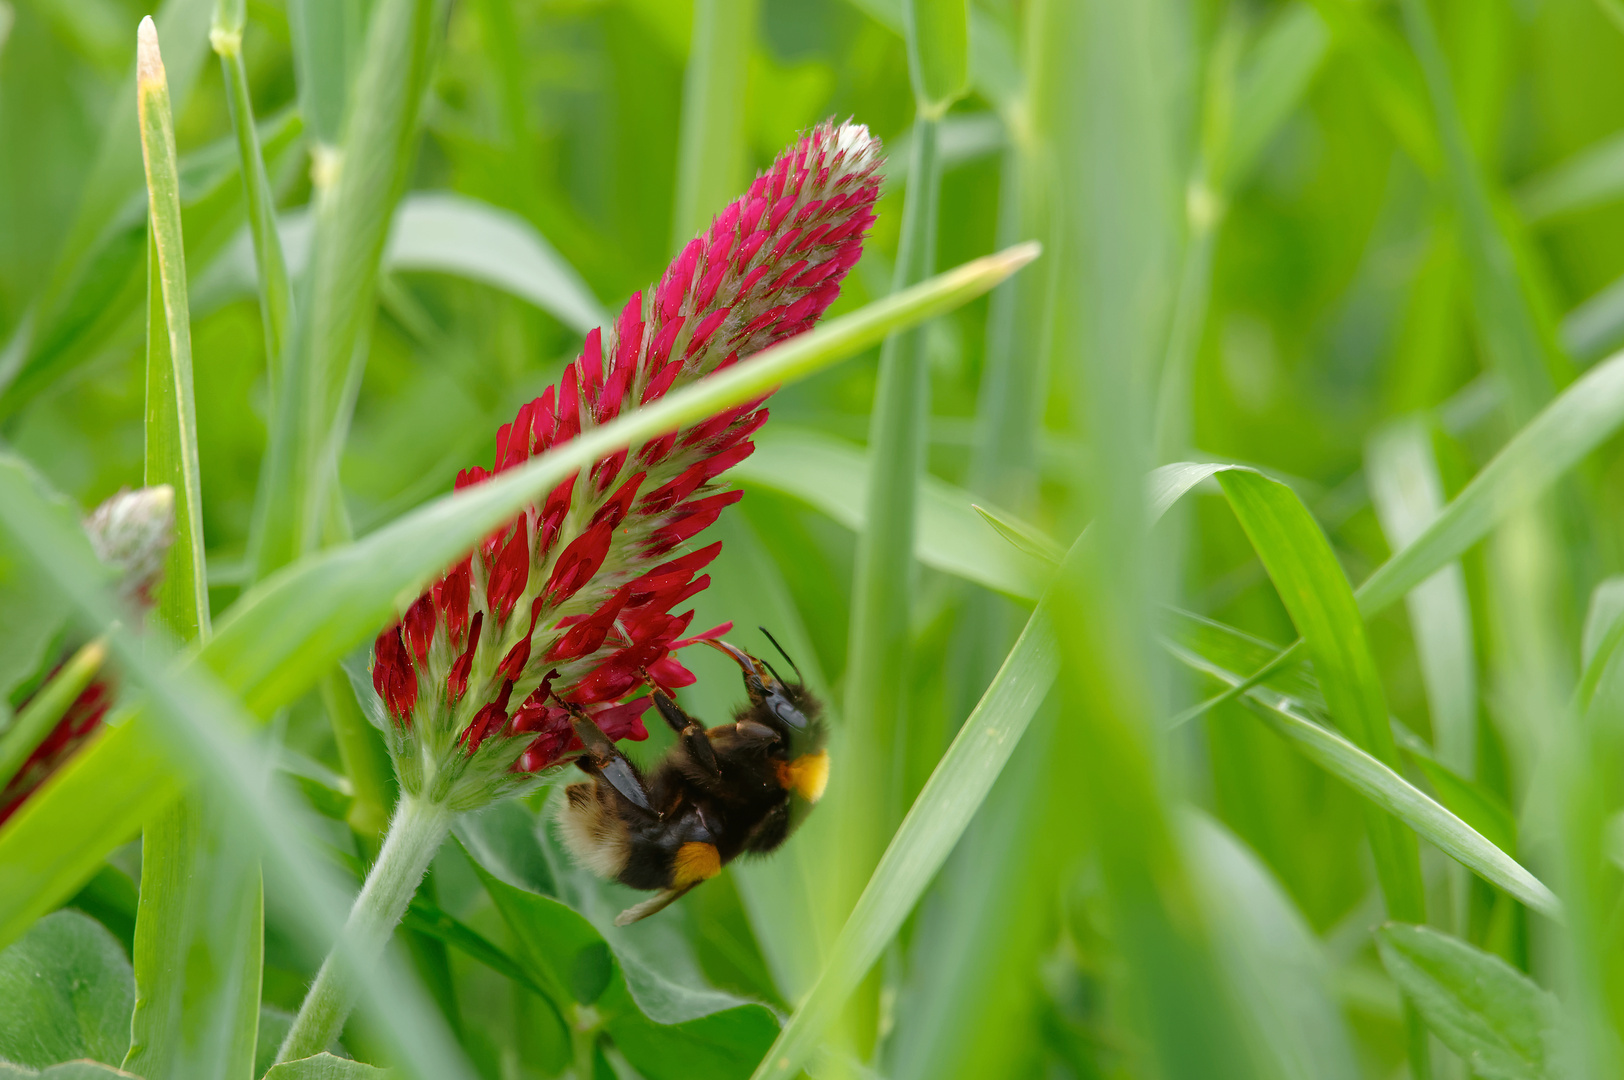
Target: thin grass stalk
point(275, 288)
point(711, 146)
point(357, 190)
point(200, 895)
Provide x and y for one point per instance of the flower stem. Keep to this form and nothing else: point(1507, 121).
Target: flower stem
point(415, 834)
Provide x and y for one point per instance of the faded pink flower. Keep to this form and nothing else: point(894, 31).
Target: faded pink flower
point(573, 600)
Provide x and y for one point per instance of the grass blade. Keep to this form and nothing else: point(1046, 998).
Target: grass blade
point(924, 840)
point(355, 202)
point(937, 33)
point(711, 147)
point(275, 289)
point(1506, 323)
point(1384, 787)
point(1592, 177)
point(171, 450)
point(200, 891)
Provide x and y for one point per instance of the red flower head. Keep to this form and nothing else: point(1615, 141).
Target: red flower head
point(130, 532)
point(573, 600)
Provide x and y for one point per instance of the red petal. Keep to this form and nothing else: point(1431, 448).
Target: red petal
point(392, 675)
point(456, 681)
point(418, 626)
point(451, 596)
point(510, 572)
point(588, 635)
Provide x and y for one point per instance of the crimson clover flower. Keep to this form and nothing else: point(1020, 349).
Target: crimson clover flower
point(129, 532)
point(573, 600)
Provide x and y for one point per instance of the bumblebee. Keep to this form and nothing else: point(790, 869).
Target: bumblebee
point(716, 794)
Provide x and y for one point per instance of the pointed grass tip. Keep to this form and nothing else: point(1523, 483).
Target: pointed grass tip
point(149, 63)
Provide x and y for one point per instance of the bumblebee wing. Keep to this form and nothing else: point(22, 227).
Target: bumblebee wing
point(653, 904)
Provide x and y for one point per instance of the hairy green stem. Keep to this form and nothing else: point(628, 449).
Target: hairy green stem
point(415, 834)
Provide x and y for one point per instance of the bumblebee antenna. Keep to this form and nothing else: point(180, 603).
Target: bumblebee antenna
point(798, 676)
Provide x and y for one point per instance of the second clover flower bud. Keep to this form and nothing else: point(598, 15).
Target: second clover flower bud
point(573, 600)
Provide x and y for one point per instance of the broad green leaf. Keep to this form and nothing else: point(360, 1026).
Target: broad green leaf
point(1497, 1019)
point(438, 232)
point(1274, 960)
point(937, 33)
point(65, 993)
point(273, 644)
point(324, 1067)
point(665, 1030)
point(833, 476)
point(1317, 595)
point(711, 145)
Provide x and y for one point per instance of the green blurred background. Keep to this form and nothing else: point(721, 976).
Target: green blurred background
point(1338, 299)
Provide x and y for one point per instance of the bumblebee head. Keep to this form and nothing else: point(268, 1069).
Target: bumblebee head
point(787, 707)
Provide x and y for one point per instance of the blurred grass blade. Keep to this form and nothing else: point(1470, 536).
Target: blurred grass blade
point(1023, 536)
point(937, 33)
point(1496, 1018)
point(204, 733)
point(1592, 177)
point(326, 34)
point(1384, 787)
point(1506, 322)
point(832, 476)
point(1316, 594)
point(275, 290)
point(1276, 963)
point(30, 727)
point(276, 641)
point(200, 892)
point(355, 200)
point(711, 146)
point(1408, 495)
point(171, 448)
point(1596, 325)
point(1272, 80)
point(112, 180)
point(1391, 74)
point(884, 574)
point(927, 835)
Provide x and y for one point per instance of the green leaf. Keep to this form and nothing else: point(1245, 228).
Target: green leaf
point(326, 34)
point(1592, 177)
point(357, 193)
point(1273, 80)
point(45, 708)
point(69, 1070)
point(65, 992)
point(1383, 786)
point(833, 476)
point(1408, 495)
point(324, 1067)
point(927, 835)
point(1492, 1015)
point(938, 36)
point(1274, 960)
point(711, 145)
point(275, 643)
point(275, 290)
point(1315, 592)
point(665, 1029)
point(31, 613)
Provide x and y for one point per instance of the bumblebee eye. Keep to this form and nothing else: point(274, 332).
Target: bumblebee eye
point(785, 709)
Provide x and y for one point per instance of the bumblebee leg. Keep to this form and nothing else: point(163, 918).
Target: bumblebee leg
point(607, 762)
point(688, 729)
